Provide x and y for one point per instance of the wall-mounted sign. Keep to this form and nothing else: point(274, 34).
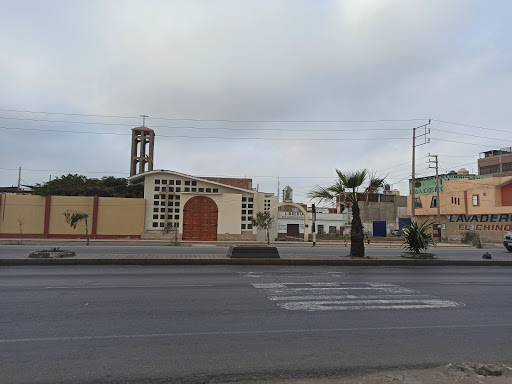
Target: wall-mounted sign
point(485, 227)
point(501, 218)
point(428, 184)
point(483, 222)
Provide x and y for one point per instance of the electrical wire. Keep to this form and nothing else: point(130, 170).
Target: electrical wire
point(212, 137)
point(212, 120)
point(468, 134)
point(471, 126)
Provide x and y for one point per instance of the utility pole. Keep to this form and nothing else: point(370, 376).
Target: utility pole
point(413, 178)
point(143, 119)
point(19, 180)
point(313, 226)
point(278, 191)
point(436, 162)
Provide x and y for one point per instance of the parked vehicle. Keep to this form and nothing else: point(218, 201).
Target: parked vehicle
point(507, 241)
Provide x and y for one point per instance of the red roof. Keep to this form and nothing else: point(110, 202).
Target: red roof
point(143, 129)
point(233, 182)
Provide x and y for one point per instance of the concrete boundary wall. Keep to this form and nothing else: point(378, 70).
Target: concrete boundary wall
point(42, 217)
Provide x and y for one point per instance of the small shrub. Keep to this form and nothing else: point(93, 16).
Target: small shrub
point(169, 228)
point(15, 242)
point(417, 236)
point(74, 217)
point(471, 237)
point(53, 249)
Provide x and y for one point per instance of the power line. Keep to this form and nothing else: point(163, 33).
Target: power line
point(60, 170)
point(393, 166)
point(212, 120)
point(207, 128)
point(226, 176)
point(470, 126)
point(209, 137)
point(461, 142)
point(468, 134)
point(456, 156)
point(252, 121)
point(67, 114)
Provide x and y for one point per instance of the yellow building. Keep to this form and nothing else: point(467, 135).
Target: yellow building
point(481, 205)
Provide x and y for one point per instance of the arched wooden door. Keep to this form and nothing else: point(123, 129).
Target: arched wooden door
point(200, 216)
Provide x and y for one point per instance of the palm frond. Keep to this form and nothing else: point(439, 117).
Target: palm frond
point(321, 194)
point(375, 184)
point(356, 179)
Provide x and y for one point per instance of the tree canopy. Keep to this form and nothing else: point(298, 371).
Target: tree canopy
point(78, 185)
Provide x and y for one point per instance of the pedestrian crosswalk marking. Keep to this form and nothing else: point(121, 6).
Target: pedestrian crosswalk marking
point(291, 273)
point(343, 296)
point(365, 304)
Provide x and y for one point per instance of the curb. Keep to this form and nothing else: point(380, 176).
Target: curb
point(277, 262)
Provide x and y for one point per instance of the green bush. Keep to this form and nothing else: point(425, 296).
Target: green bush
point(418, 236)
point(471, 237)
point(53, 249)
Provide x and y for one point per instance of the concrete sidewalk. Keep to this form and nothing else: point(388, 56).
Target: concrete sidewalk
point(130, 252)
point(220, 259)
point(321, 243)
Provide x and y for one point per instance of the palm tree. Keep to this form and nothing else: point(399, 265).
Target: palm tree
point(351, 185)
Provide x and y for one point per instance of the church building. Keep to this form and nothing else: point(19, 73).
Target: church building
point(200, 208)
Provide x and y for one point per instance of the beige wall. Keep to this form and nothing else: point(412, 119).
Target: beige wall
point(116, 216)
point(29, 208)
point(119, 216)
point(61, 204)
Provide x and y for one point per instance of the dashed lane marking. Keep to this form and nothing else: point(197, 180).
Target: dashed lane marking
point(131, 286)
point(257, 332)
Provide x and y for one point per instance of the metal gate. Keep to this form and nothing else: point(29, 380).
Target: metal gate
point(293, 230)
point(379, 229)
point(403, 222)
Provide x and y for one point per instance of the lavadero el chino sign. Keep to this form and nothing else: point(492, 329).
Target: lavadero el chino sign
point(503, 222)
point(428, 184)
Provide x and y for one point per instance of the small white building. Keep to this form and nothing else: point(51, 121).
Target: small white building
point(292, 223)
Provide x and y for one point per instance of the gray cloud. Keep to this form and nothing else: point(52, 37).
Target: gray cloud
point(332, 60)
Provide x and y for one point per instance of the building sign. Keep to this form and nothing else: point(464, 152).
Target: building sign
point(503, 222)
point(428, 184)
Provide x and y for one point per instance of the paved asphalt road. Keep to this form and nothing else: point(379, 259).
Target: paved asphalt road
point(215, 324)
point(151, 249)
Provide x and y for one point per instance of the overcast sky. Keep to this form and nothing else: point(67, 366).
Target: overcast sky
point(278, 70)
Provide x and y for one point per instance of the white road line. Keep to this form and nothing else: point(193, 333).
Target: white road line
point(343, 297)
point(349, 296)
point(368, 304)
point(337, 284)
point(256, 332)
point(296, 274)
point(283, 292)
point(131, 286)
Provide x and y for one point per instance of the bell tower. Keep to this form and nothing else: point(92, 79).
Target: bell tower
point(143, 144)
